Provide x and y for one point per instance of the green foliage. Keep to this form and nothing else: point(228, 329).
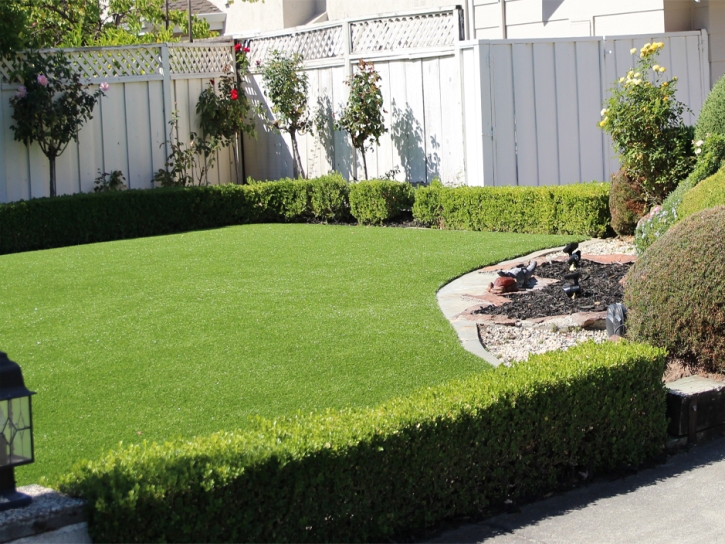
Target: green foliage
point(567, 209)
point(51, 105)
point(99, 217)
point(83, 23)
point(187, 165)
point(286, 85)
point(626, 203)
point(712, 114)
point(376, 201)
point(708, 194)
point(675, 291)
point(362, 118)
point(710, 158)
point(366, 475)
point(645, 121)
point(225, 114)
point(109, 182)
point(13, 27)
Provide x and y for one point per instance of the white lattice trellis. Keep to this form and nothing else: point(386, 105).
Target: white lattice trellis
point(323, 43)
point(207, 59)
point(405, 32)
point(105, 63)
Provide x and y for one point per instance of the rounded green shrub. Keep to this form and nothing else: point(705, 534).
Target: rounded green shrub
point(712, 114)
point(708, 194)
point(626, 203)
point(675, 293)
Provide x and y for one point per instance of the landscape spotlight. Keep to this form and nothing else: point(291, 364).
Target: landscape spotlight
point(16, 432)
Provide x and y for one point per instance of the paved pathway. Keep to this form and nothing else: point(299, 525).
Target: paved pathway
point(681, 501)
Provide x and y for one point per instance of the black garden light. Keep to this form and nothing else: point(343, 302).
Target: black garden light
point(16, 432)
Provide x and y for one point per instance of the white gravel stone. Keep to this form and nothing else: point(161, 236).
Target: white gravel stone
point(511, 344)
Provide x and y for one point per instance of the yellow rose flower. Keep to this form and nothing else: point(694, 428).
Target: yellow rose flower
point(633, 51)
point(662, 69)
point(665, 84)
point(656, 67)
point(636, 75)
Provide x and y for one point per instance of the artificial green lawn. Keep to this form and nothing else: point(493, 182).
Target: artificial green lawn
point(182, 335)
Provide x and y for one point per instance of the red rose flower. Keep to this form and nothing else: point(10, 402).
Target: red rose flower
point(235, 94)
point(237, 47)
point(246, 49)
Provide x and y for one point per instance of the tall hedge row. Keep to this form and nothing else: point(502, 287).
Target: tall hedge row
point(365, 475)
point(567, 209)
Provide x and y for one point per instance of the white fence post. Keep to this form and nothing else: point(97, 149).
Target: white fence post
point(168, 103)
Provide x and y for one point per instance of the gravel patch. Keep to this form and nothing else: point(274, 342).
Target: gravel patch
point(514, 344)
point(511, 344)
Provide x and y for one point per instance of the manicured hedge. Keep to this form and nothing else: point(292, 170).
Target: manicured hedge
point(99, 217)
point(708, 194)
point(373, 202)
point(567, 209)
point(365, 475)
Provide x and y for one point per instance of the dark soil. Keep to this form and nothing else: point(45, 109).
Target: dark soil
point(600, 285)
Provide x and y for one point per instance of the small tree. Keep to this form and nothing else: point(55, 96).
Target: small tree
point(51, 105)
point(363, 116)
point(286, 85)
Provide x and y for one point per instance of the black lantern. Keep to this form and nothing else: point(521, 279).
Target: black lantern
point(16, 432)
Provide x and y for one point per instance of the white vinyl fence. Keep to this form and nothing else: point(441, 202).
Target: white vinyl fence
point(130, 125)
point(485, 112)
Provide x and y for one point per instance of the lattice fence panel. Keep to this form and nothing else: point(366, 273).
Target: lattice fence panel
point(110, 62)
point(207, 59)
point(405, 32)
point(117, 62)
point(324, 43)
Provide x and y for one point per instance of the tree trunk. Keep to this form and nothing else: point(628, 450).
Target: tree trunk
point(296, 160)
point(52, 176)
point(365, 162)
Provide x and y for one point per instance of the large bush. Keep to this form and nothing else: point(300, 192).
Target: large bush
point(675, 291)
point(645, 121)
point(365, 475)
point(376, 201)
point(710, 159)
point(712, 114)
point(567, 209)
point(626, 203)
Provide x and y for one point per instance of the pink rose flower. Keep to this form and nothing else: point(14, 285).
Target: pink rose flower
point(42, 80)
point(104, 87)
point(22, 92)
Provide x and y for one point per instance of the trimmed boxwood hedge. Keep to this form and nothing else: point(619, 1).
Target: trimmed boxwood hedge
point(366, 474)
point(99, 217)
point(566, 209)
point(84, 218)
point(373, 202)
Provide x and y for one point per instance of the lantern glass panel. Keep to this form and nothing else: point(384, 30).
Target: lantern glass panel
point(16, 443)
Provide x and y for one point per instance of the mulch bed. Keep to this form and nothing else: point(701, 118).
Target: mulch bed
point(601, 288)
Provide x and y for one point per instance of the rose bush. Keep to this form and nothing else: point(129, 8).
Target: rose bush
point(644, 120)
